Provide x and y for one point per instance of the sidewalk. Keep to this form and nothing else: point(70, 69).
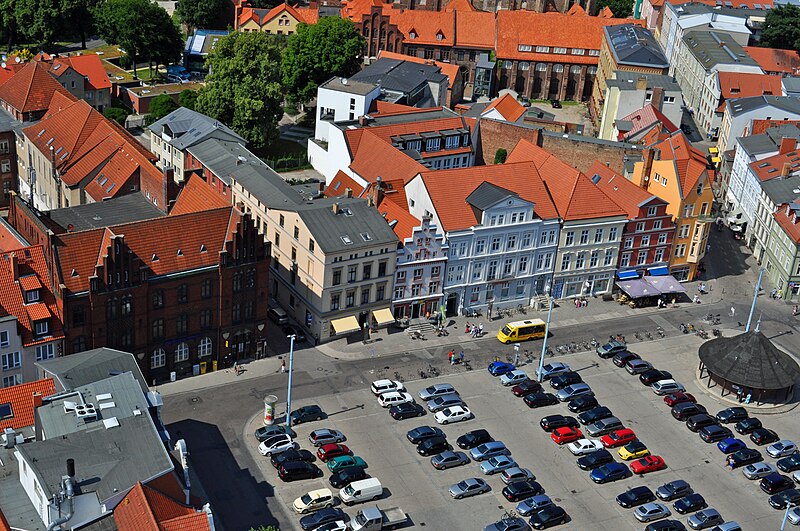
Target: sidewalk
point(252, 369)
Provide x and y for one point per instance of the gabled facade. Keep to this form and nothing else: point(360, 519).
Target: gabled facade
point(83, 76)
point(29, 93)
point(628, 92)
point(282, 19)
point(782, 257)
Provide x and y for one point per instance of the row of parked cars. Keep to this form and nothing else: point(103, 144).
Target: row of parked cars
point(441, 399)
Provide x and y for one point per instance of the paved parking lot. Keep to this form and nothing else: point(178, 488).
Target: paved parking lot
point(413, 484)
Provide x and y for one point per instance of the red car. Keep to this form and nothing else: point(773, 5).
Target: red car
point(566, 435)
point(618, 438)
point(329, 451)
point(651, 463)
point(678, 398)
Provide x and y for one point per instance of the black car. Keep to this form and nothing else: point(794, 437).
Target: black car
point(762, 436)
point(732, 414)
point(406, 411)
point(434, 445)
point(473, 438)
point(665, 525)
point(421, 433)
point(595, 459)
point(744, 457)
point(526, 387)
point(534, 400)
point(593, 415)
point(291, 455)
point(775, 483)
point(265, 432)
point(344, 477)
point(556, 104)
point(635, 496)
point(294, 470)
point(698, 422)
point(690, 504)
point(748, 425)
point(715, 433)
point(551, 422)
point(323, 516)
point(306, 414)
point(553, 514)
point(789, 464)
point(653, 375)
point(582, 403)
point(565, 379)
point(522, 490)
point(299, 335)
point(621, 358)
point(784, 498)
point(684, 410)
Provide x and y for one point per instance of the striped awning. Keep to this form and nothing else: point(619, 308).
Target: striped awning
point(345, 325)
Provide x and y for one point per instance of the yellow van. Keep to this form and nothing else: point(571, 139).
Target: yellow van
point(522, 330)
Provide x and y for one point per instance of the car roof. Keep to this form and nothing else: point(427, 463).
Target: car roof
point(378, 383)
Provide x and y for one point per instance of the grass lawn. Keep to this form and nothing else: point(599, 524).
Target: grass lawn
point(284, 147)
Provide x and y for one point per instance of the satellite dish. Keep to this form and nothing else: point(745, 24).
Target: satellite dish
point(17, 59)
point(3, 65)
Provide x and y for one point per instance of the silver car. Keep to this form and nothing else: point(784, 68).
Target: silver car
point(601, 427)
point(449, 459)
point(553, 368)
point(516, 473)
point(638, 366)
point(758, 470)
point(469, 487)
point(533, 504)
point(705, 519)
point(437, 390)
point(325, 436)
point(573, 391)
point(651, 511)
point(443, 402)
point(497, 464)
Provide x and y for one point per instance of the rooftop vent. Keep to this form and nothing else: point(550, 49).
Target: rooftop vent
point(180, 253)
point(86, 412)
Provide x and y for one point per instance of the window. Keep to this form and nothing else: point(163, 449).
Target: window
point(641, 258)
point(651, 211)
point(11, 360)
point(10, 381)
point(629, 243)
point(294, 253)
point(205, 319)
point(158, 328)
point(508, 267)
point(480, 246)
point(4, 341)
point(352, 271)
point(558, 69)
point(365, 295)
point(598, 235)
point(182, 324)
point(645, 240)
point(205, 289)
point(401, 274)
point(382, 268)
point(522, 267)
point(594, 259)
point(625, 260)
point(703, 209)
point(565, 262)
point(559, 50)
point(659, 256)
point(700, 188)
point(335, 301)
point(32, 296)
point(640, 226)
point(612, 234)
point(41, 328)
point(281, 221)
point(584, 237)
point(594, 53)
point(570, 240)
point(6, 166)
point(680, 250)
point(158, 358)
point(183, 294)
point(380, 292)
point(525, 48)
point(507, 65)
point(181, 352)
point(491, 271)
point(657, 224)
point(662, 238)
point(350, 299)
point(543, 49)
point(204, 348)
point(297, 233)
point(433, 144)
point(688, 211)
point(398, 292)
point(337, 277)
point(79, 345)
point(683, 231)
point(541, 67)
point(158, 299)
point(311, 246)
point(578, 51)
point(45, 352)
point(580, 260)
point(477, 271)
point(495, 244)
point(609, 258)
point(126, 308)
point(236, 313)
point(524, 65)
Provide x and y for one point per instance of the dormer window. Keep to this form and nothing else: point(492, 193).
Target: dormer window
point(41, 328)
point(32, 296)
point(439, 36)
point(412, 34)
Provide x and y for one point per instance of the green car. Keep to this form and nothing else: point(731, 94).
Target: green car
point(345, 461)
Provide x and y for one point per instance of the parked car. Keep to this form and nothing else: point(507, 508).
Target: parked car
point(443, 402)
point(421, 433)
point(327, 452)
point(565, 435)
point(668, 386)
point(593, 415)
point(515, 473)
point(265, 432)
point(609, 472)
point(744, 457)
point(526, 387)
point(489, 449)
point(674, 399)
point(521, 489)
point(433, 445)
point(595, 459)
point(556, 104)
point(499, 368)
point(406, 411)
point(508, 524)
point(306, 414)
point(584, 446)
point(697, 422)
point(762, 436)
point(394, 398)
point(296, 331)
point(379, 387)
point(330, 514)
point(345, 461)
point(551, 422)
point(533, 504)
point(313, 501)
point(785, 497)
point(497, 464)
point(610, 349)
point(573, 391)
point(638, 366)
point(278, 459)
point(551, 369)
point(565, 379)
point(535, 400)
point(775, 483)
point(553, 515)
point(731, 445)
point(747, 426)
point(685, 410)
point(622, 358)
point(473, 438)
point(582, 403)
point(789, 464)
point(673, 490)
point(453, 414)
point(714, 433)
point(758, 470)
point(469, 487)
point(604, 426)
point(665, 525)
point(449, 459)
point(513, 377)
point(342, 478)
point(276, 444)
point(705, 519)
point(689, 504)
point(732, 414)
point(633, 450)
point(635, 496)
point(651, 511)
point(435, 390)
point(782, 448)
point(618, 438)
point(653, 375)
point(648, 464)
point(295, 470)
point(325, 436)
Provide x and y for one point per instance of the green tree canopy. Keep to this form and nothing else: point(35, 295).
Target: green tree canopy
point(118, 114)
point(782, 28)
point(620, 8)
point(242, 90)
point(161, 105)
point(332, 47)
point(200, 13)
point(188, 98)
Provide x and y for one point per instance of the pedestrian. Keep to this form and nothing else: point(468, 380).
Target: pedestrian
point(585, 303)
point(733, 311)
point(773, 293)
point(795, 309)
point(659, 302)
point(673, 302)
point(730, 462)
point(474, 331)
point(283, 365)
point(577, 303)
point(780, 294)
point(461, 357)
point(480, 330)
point(466, 329)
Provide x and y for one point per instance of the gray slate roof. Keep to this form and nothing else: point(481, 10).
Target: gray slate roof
point(786, 104)
point(757, 144)
point(188, 127)
point(782, 190)
point(750, 360)
point(83, 368)
point(266, 186)
point(223, 157)
point(634, 45)
point(124, 209)
point(487, 195)
point(627, 81)
point(711, 48)
point(350, 86)
point(400, 76)
point(791, 84)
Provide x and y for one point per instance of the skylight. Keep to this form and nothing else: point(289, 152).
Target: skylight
point(6, 412)
point(347, 241)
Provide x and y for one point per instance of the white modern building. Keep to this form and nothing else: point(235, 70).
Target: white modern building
point(740, 113)
point(628, 92)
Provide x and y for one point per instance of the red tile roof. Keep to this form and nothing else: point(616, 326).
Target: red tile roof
point(775, 59)
point(475, 30)
point(430, 27)
point(30, 261)
point(448, 69)
point(341, 182)
point(771, 167)
point(744, 85)
point(644, 118)
point(146, 509)
point(262, 16)
point(21, 398)
point(460, 5)
point(197, 196)
point(9, 239)
point(91, 67)
point(622, 191)
point(385, 108)
point(760, 126)
point(690, 162)
point(449, 189)
point(787, 221)
point(404, 222)
point(31, 89)
point(508, 107)
point(375, 157)
point(165, 245)
point(29, 282)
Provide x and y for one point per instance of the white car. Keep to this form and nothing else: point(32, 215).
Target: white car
point(379, 387)
point(513, 377)
point(794, 516)
point(758, 470)
point(276, 445)
point(394, 398)
point(782, 448)
point(665, 387)
point(453, 414)
point(796, 476)
point(584, 446)
point(313, 501)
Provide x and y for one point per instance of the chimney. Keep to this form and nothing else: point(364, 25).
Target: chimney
point(649, 155)
point(362, 121)
point(335, 208)
point(14, 266)
point(658, 98)
point(641, 83)
point(321, 186)
point(787, 145)
point(376, 192)
point(348, 192)
point(37, 400)
point(71, 468)
point(786, 170)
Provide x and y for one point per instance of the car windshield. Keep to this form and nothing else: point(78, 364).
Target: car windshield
point(305, 498)
point(506, 331)
point(462, 485)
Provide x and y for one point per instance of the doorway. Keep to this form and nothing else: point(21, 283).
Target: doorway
point(452, 304)
point(415, 309)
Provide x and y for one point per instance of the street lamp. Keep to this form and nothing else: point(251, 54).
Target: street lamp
point(755, 296)
point(516, 355)
point(789, 507)
point(289, 393)
point(546, 333)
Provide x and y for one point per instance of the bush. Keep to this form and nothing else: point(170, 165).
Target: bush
point(500, 156)
point(118, 114)
point(188, 98)
point(161, 105)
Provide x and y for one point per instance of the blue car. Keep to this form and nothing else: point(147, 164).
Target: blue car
point(610, 472)
point(499, 368)
point(731, 445)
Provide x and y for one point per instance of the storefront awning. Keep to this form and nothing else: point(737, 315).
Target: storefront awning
point(383, 316)
point(637, 288)
point(345, 325)
point(658, 271)
point(625, 275)
point(666, 284)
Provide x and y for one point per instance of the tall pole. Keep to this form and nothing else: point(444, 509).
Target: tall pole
point(544, 343)
point(289, 393)
point(755, 296)
point(789, 507)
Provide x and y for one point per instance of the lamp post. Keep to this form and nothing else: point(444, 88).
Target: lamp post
point(755, 296)
point(289, 392)
point(789, 507)
point(516, 355)
point(546, 333)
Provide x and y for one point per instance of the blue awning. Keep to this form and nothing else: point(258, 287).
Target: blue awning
point(658, 271)
point(625, 275)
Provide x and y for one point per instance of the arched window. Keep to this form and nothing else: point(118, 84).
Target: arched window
point(541, 67)
point(558, 68)
point(127, 305)
point(158, 358)
point(181, 352)
point(204, 348)
point(575, 69)
point(524, 65)
point(111, 309)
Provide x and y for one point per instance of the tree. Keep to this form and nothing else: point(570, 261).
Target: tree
point(200, 13)
point(332, 47)
point(142, 28)
point(37, 20)
point(500, 155)
point(118, 114)
point(782, 28)
point(188, 98)
point(77, 18)
point(242, 90)
point(161, 105)
point(620, 8)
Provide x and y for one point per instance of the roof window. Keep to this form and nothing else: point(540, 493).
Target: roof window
point(180, 253)
point(154, 258)
point(203, 248)
point(6, 412)
point(366, 237)
point(346, 239)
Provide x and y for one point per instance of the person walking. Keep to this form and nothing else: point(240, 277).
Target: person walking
point(283, 365)
point(461, 357)
point(733, 311)
point(480, 330)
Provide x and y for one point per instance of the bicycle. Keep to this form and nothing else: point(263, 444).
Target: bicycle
point(398, 377)
point(649, 335)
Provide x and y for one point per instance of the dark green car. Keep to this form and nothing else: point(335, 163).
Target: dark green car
point(345, 461)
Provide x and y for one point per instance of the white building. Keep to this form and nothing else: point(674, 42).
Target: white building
point(740, 113)
point(628, 92)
